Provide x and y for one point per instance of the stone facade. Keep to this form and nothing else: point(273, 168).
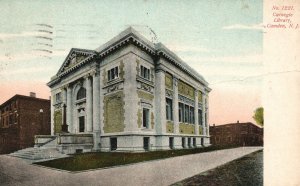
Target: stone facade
point(23, 117)
point(132, 95)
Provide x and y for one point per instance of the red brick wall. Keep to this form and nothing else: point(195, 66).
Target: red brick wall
point(29, 121)
point(241, 134)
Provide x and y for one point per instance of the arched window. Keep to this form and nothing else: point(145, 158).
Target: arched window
point(81, 93)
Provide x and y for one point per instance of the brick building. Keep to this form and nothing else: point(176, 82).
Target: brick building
point(242, 134)
point(21, 118)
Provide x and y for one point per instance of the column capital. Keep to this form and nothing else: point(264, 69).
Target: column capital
point(86, 76)
point(196, 92)
point(93, 72)
point(175, 81)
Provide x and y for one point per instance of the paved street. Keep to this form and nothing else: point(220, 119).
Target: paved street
point(14, 171)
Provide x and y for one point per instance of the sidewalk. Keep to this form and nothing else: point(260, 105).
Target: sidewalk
point(15, 171)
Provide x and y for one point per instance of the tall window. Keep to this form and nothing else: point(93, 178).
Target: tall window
point(81, 93)
point(113, 73)
point(145, 118)
point(186, 113)
point(169, 109)
point(200, 117)
point(181, 113)
point(145, 72)
point(192, 113)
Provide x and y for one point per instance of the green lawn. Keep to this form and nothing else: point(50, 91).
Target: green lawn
point(95, 160)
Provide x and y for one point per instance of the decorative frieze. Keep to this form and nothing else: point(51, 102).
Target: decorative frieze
point(145, 95)
point(186, 100)
point(169, 81)
point(169, 94)
point(186, 90)
point(146, 87)
point(170, 127)
point(186, 128)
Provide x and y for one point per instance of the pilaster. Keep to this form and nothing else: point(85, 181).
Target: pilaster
point(160, 102)
point(175, 105)
point(96, 101)
point(96, 108)
point(89, 104)
point(203, 114)
point(69, 109)
point(196, 113)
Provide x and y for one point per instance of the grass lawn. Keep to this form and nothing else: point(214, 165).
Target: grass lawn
point(94, 160)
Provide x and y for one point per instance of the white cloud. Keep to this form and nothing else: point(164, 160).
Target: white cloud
point(244, 27)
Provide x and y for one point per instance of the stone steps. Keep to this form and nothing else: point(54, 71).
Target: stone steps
point(38, 154)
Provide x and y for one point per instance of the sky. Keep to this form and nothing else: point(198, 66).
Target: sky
point(222, 40)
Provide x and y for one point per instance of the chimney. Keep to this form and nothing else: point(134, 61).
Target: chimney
point(238, 121)
point(32, 94)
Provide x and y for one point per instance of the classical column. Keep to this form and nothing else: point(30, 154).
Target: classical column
point(96, 101)
point(175, 106)
point(207, 115)
point(69, 109)
point(52, 112)
point(64, 105)
point(89, 104)
point(196, 113)
point(160, 99)
point(203, 114)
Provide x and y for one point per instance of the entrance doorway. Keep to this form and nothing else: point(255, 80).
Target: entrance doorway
point(81, 124)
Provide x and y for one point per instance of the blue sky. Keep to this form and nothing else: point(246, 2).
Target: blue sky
point(222, 40)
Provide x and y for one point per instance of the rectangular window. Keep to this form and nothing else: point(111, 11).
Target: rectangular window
point(194, 142)
point(146, 143)
point(58, 97)
point(81, 124)
point(183, 142)
point(192, 113)
point(200, 117)
point(113, 73)
point(145, 72)
point(181, 112)
point(113, 144)
point(171, 142)
point(145, 118)
point(169, 110)
point(186, 113)
point(189, 143)
point(10, 119)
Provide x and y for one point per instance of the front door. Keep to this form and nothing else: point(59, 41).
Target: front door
point(81, 124)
